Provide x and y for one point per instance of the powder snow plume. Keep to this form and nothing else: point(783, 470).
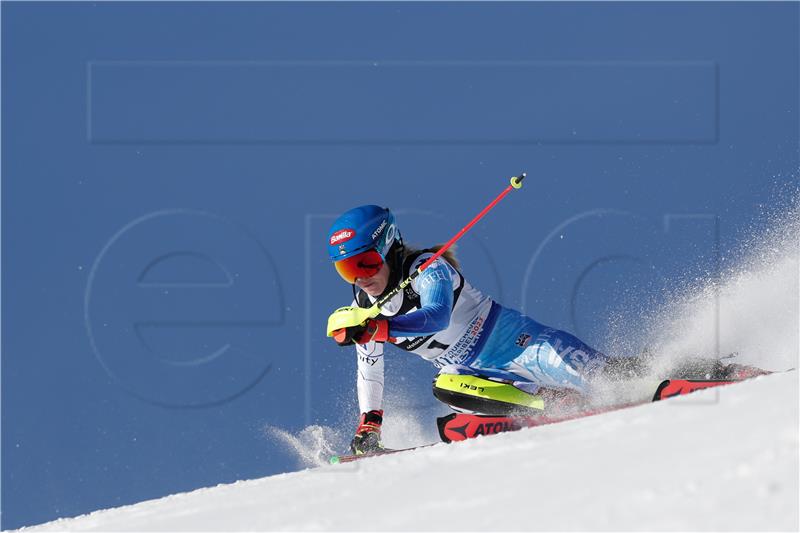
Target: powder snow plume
point(313, 445)
point(406, 427)
point(749, 313)
point(752, 309)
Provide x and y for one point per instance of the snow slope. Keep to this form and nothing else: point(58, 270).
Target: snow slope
point(718, 459)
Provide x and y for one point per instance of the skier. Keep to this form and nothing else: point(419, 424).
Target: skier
point(491, 359)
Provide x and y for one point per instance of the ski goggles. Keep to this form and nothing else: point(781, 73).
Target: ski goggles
point(363, 265)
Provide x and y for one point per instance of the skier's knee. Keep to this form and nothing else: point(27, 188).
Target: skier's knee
point(474, 393)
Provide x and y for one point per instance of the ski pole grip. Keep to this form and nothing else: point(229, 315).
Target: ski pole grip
point(516, 181)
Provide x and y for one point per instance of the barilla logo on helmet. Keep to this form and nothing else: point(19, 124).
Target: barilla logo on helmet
point(343, 235)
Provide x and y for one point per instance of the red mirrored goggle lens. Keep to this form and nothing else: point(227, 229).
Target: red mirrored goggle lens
point(363, 265)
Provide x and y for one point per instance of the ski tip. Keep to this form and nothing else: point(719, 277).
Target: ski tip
point(334, 460)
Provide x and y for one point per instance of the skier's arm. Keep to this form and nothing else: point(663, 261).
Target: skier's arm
point(435, 288)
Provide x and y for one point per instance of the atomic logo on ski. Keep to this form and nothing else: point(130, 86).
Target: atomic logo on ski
point(460, 429)
point(462, 426)
point(496, 427)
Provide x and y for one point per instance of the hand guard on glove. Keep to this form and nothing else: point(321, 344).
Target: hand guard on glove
point(368, 434)
point(371, 330)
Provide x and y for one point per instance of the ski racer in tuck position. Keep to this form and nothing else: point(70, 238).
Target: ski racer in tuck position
point(491, 359)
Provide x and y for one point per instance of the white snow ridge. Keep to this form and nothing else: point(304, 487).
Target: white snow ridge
point(719, 459)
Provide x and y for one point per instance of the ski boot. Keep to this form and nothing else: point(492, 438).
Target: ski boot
point(368, 434)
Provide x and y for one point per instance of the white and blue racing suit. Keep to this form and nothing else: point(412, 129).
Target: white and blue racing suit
point(443, 319)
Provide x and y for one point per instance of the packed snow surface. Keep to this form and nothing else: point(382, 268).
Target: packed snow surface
point(722, 458)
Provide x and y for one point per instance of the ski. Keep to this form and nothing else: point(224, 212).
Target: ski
point(349, 458)
point(456, 427)
point(678, 387)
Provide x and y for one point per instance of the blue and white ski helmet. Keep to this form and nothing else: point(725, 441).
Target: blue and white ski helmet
point(368, 227)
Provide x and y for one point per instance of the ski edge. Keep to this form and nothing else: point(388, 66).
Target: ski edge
point(349, 458)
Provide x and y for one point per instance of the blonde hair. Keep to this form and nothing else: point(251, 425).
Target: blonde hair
point(449, 255)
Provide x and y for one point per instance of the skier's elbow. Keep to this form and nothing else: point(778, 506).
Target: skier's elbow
point(441, 321)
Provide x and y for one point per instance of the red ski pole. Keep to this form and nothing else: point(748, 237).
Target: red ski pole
point(516, 183)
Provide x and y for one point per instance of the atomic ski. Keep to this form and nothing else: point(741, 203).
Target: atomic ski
point(678, 387)
point(337, 459)
point(462, 426)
